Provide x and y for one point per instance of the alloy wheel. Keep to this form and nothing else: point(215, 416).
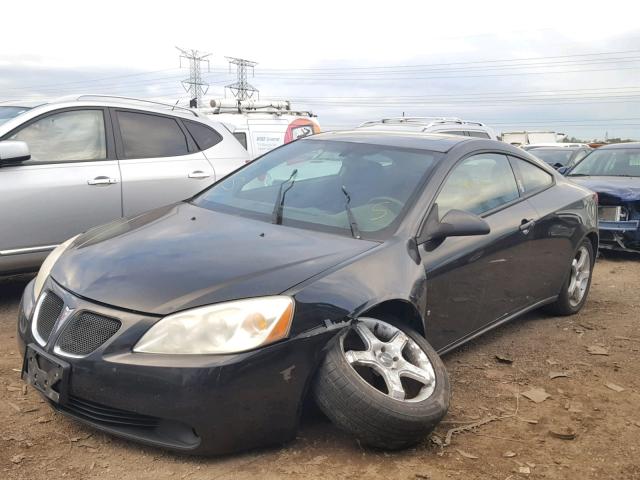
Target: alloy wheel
point(389, 360)
point(580, 274)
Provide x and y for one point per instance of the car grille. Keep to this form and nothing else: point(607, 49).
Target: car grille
point(86, 332)
point(22, 319)
point(48, 314)
point(102, 414)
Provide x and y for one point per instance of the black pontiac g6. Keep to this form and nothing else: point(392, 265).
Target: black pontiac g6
point(337, 266)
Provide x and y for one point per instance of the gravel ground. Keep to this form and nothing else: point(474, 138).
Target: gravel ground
point(493, 430)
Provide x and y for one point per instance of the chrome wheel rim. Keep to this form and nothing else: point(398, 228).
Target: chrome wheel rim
point(389, 360)
point(580, 274)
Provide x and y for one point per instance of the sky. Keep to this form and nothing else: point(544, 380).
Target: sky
point(571, 66)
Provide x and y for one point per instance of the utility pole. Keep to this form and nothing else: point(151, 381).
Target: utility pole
point(242, 89)
point(194, 86)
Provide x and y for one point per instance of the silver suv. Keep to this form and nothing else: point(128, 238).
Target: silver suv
point(68, 165)
point(444, 125)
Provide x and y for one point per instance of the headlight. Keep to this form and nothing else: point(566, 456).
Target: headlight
point(48, 264)
point(223, 328)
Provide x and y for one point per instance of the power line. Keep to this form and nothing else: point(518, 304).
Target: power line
point(476, 68)
point(75, 82)
point(460, 77)
point(462, 63)
point(457, 95)
point(358, 68)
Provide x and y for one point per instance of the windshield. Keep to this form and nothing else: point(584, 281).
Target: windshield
point(618, 162)
point(7, 113)
point(326, 185)
point(553, 157)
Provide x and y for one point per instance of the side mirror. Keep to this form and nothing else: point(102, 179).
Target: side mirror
point(12, 151)
point(456, 223)
point(563, 170)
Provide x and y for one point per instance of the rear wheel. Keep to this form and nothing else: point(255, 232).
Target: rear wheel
point(576, 288)
point(384, 384)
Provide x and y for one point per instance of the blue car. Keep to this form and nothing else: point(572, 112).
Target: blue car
point(613, 172)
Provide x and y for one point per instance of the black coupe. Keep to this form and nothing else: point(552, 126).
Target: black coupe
point(337, 266)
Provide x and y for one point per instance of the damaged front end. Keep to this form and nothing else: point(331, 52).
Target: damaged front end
point(619, 222)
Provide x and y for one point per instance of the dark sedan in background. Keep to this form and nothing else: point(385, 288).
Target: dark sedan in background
point(341, 264)
point(613, 171)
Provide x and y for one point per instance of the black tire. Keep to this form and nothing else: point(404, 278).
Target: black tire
point(563, 306)
point(373, 417)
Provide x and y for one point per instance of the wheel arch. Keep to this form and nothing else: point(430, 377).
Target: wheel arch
point(402, 310)
point(594, 239)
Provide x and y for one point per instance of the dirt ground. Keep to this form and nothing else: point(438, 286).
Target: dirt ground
point(593, 402)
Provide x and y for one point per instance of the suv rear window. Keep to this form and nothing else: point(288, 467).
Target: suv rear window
point(146, 136)
point(242, 138)
point(205, 137)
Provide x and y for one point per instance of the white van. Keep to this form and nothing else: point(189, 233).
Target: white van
point(532, 137)
point(261, 126)
point(448, 125)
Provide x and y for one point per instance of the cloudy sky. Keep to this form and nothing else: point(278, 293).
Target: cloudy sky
point(571, 66)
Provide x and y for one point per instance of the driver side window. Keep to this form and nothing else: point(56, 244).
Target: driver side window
point(478, 184)
point(74, 135)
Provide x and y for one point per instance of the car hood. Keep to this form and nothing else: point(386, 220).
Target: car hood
point(621, 189)
point(183, 256)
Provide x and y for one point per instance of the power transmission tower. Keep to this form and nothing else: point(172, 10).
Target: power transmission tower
point(242, 89)
point(194, 86)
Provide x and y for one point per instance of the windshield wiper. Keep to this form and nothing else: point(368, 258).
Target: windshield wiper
point(355, 233)
point(579, 175)
point(276, 216)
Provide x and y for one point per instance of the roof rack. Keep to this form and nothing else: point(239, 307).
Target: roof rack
point(427, 121)
point(90, 97)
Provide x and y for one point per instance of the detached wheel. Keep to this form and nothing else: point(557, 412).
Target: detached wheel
point(384, 384)
point(576, 288)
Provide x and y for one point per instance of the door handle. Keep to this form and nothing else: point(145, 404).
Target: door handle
point(199, 174)
point(102, 180)
point(527, 225)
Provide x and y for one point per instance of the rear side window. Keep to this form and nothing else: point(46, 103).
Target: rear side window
point(146, 136)
point(205, 137)
point(531, 177)
point(453, 132)
point(242, 138)
point(478, 134)
point(478, 184)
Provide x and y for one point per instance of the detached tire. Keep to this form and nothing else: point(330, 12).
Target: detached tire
point(384, 384)
point(576, 287)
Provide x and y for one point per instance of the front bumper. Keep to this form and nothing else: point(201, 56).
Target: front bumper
point(201, 404)
point(620, 235)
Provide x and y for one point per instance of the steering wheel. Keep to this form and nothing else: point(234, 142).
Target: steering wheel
point(397, 203)
point(390, 205)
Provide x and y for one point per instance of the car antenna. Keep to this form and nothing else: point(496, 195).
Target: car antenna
point(278, 207)
point(355, 232)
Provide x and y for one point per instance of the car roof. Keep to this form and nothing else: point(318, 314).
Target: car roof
point(23, 103)
point(556, 144)
point(436, 142)
point(110, 101)
point(559, 149)
point(616, 146)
